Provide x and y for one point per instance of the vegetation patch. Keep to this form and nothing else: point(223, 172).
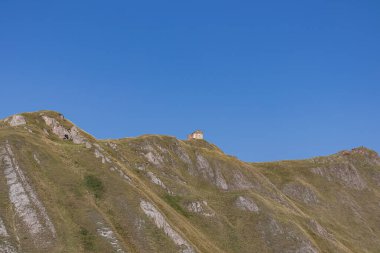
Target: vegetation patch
point(95, 185)
point(87, 239)
point(175, 202)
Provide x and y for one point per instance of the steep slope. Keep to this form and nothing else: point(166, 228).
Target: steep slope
point(64, 191)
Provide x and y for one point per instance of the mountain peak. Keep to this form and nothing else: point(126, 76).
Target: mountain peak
point(50, 123)
point(364, 151)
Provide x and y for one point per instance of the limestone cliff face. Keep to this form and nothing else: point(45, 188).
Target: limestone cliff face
point(62, 190)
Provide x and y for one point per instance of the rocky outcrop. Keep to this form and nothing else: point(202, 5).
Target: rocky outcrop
point(153, 156)
point(301, 193)
point(306, 247)
point(5, 245)
point(345, 173)
point(220, 181)
point(351, 205)
point(3, 230)
point(204, 167)
point(65, 134)
point(107, 233)
point(121, 173)
point(370, 156)
point(246, 204)
point(57, 128)
point(25, 201)
point(155, 180)
point(76, 136)
point(209, 173)
point(182, 154)
point(319, 230)
point(376, 178)
point(99, 154)
point(292, 239)
point(161, 223)
point(35, 157)
point(112, 145)
point(240, 182)
point(16, 120)
point(200, 207)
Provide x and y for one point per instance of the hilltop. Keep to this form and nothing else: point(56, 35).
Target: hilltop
point(62, 190)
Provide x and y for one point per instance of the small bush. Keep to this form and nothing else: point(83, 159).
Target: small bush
point(87, 239)
point(94, 185)
point(174, 201)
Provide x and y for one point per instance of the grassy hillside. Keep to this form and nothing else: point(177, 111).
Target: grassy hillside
point(61, 190)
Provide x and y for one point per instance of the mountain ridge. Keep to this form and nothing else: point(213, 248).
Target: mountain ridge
point(156, 193)
point(56, 115)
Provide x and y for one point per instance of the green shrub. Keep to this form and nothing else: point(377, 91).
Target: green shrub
point(94, 185)
point(87, 239)
point(174, 201)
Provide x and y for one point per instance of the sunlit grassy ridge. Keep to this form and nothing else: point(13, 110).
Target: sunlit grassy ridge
point(93, 193)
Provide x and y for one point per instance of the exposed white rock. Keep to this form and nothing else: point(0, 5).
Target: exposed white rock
point(301, 192)
point(240, 181)
point(182, 154)
point(35, 157)
point(208, 173)
point(275, 228)
point(46, 132)
point(98, 151)
point(6, 247)
point(352, 205)
point(98, 146)
point(152, 155)
point(246, 204)
point(28, 129)
point(347, 174)
point(49, 121)
point(220, 181)
point(195, 207)
point(65, 134)
point(376, 178)
point(109, 236)
point(154, 158)
point(112, 145)
point(204, 167)
point(139, 224)
point(121, 173)
point(161, 223)
point(306, 247)
point(200, 207)
point(154, 179)
point(99, 154)
point(57, 128)
point(294, 238)
point(318, 229)
point(162, 149)
point(3, 230)
point(16, 120)
point(76, 136)
point(27, 206)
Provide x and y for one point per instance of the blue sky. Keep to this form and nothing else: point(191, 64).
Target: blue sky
point(265, 80)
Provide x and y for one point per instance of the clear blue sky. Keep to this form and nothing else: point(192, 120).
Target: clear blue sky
point(265, 80)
